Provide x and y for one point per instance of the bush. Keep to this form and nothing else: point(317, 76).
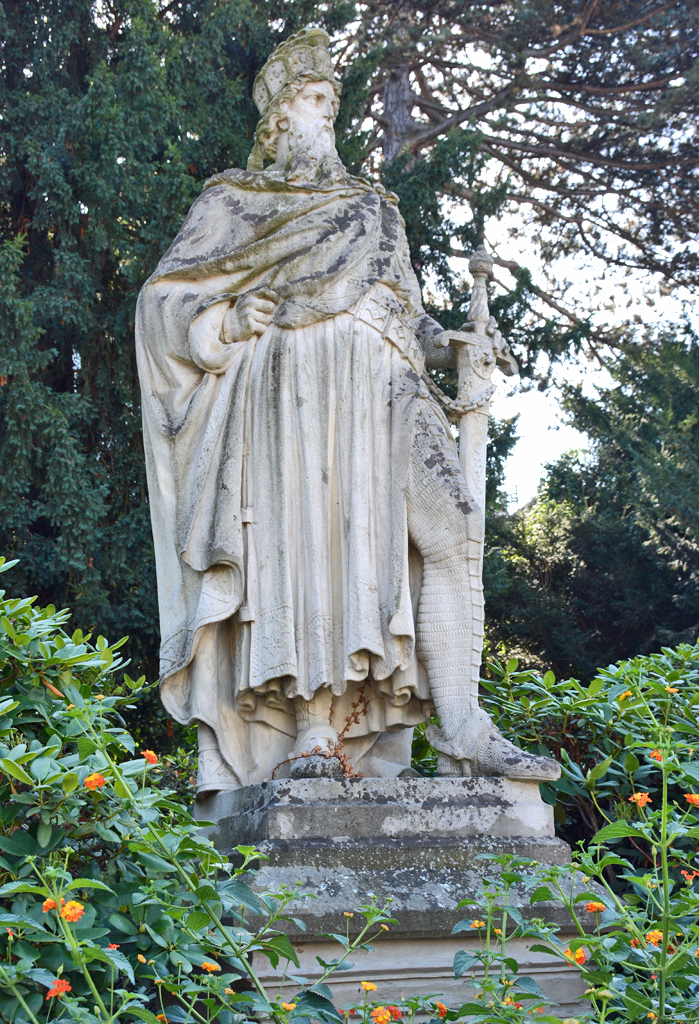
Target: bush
point(114, 907)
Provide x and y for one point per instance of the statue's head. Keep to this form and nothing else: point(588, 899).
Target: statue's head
point(298, 96)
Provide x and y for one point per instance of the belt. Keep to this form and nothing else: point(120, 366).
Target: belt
point(386, 319)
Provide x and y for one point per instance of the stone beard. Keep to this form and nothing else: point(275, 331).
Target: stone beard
point(313, 158)
point(318, 551)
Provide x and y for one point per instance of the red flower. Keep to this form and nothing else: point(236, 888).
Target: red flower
point(395, 1013)
point(150, 756)
point(113, 945)
point(49, 905)
point(441, 1010)
point(58, 988)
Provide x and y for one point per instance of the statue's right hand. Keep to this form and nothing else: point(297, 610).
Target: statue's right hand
point(250, 316)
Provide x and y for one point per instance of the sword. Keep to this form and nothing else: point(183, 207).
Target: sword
point(480, 347)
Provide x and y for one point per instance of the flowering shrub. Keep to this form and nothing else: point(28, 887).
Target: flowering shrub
point(113, 906)
point(641, 957)
point(587, 727)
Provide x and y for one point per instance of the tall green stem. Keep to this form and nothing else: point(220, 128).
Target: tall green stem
point(666, 895)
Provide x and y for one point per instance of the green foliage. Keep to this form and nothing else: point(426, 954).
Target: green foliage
point(113, 116)
point(600, 724)
point(604, 563)
point(114, 905)
point(111, 896)
point(630, 891)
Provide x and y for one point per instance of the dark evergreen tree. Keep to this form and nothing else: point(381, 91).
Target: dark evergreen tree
point(604, 563)
point(113, 115)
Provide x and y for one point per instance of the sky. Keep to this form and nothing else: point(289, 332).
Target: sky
point(544, 437)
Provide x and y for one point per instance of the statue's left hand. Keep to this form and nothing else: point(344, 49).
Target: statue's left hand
point(250, 316)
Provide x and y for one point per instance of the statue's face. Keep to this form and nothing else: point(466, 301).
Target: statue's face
point(308, 123)
point(312, 103)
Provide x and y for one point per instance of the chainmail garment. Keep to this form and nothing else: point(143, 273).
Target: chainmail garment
point(445, 525)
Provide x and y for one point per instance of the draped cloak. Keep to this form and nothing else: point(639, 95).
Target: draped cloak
point(277, 467)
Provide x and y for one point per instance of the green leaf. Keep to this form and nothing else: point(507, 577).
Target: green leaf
point(241, 893)
point(70, 783)
point(43, 834)
point(197, 920)
point(618, 830)
point(463, 962)
point(529, 985)
point(88, 883)
point(637, 1003)
point(86, 746)
point(600, 769)
point(121, 789)
point(542, 892)
point(17, 772)
point(110, 956)
point(155, 863)
point(631, 763)
point(282, 945)
point(595, 687)
point(17, 887)
point(141, 1013)
point(123, 924)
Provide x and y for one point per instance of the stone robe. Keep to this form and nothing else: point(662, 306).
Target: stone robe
point(277, 469)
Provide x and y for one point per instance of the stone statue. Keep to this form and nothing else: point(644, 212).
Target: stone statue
point(318, 543)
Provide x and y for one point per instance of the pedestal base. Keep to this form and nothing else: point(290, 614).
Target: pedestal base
point(415, 840)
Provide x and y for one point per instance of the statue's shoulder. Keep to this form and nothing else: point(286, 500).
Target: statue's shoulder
point(233, 177)
point(246, 181)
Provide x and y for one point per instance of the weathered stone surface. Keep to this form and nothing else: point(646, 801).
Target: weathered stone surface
point(415, 966)
point(420, 842)
point(293, 809)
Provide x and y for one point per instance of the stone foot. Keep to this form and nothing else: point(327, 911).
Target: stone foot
point(316, 766)
point(479, 749)
point(313, 754)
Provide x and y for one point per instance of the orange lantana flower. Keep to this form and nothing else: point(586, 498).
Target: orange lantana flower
point(692, 798)
point(208, 966)
point(59, 987)
point(369, 986)
point(150, 756)
point(578, 956)
point(657, 755)
point(48, 905)
point(442, 1011)
point(72, 911)
point(655, 937)
point(94, 781)
point(595, 908)
point(288, 1006)
point(381, 1015)
point(641, 799)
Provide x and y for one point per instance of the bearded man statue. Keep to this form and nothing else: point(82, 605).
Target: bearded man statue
point(317, 547)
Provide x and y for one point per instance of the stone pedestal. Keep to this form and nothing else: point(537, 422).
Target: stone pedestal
point(416, 840)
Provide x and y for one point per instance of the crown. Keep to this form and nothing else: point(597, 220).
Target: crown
point(305, 53)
